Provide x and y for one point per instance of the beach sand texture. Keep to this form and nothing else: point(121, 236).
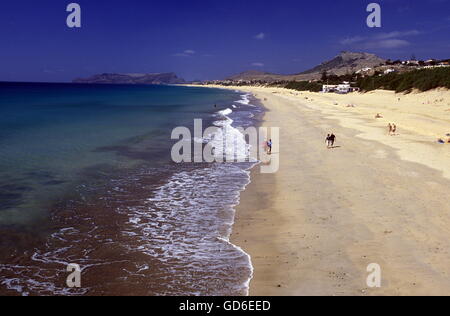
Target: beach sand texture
point(315, 226)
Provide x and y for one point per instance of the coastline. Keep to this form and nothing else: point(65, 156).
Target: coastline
point(160, 220)
point(315, 226)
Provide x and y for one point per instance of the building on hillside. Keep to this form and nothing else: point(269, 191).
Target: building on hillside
point(366, 69)
point(411, 63)
point(430, 62)
point(390, 70)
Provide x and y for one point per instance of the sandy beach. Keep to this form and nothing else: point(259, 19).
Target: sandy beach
point(315, 226)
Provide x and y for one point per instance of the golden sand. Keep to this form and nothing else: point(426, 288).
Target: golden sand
point(315, 226)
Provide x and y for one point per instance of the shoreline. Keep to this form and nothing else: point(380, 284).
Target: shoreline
point(136, 212)
point(315, 226)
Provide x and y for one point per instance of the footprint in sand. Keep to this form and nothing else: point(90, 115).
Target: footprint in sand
point(380, 154)
point(413, 174)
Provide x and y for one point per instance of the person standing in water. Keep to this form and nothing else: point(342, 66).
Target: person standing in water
point(269, 146)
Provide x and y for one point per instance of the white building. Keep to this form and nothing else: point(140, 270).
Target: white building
point(327, 88)
point(412, 62)
point(342, 88)
point(388, 71)
point(366, 69)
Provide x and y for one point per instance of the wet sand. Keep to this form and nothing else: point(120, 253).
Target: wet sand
point(315, 226)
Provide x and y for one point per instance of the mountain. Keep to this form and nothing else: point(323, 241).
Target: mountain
point(157, 78)
point(251, 74)
point(266, 76)
point(345, 62)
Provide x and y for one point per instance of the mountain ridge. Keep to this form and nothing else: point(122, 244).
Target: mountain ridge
point(132, 78)
point(345, 62)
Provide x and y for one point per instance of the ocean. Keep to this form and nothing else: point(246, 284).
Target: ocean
point(86, 177)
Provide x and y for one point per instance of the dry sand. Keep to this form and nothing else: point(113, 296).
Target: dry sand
point(315, 226)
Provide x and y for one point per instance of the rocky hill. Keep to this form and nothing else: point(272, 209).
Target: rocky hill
point(156, 78)
point(345, 62)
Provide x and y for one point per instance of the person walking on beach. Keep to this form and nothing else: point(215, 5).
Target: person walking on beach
point(269, 146)
point(332, 140)
point(390, 128)
point(394, 129)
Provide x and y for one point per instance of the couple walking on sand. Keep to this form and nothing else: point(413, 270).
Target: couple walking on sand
point(331, 138)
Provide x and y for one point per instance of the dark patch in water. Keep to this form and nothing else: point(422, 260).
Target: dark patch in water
point(11, 195)
point(54, 182)
point(130, 153)
point(41, 175)
point(111, 149)
point(100, 169)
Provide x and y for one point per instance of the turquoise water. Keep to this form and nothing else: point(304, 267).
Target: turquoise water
point(51, 133)
point(86, 177)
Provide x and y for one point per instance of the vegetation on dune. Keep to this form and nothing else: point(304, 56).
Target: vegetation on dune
point(423, 80)
point(304, 86)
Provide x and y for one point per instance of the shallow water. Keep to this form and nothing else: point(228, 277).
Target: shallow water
point(87, 179)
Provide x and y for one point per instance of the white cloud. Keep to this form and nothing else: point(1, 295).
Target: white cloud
point(186, 53)
point(258, 64)
point(397, 34)
point(389, 40)
point(388, 44)
point(260, 36)
point(352, 40)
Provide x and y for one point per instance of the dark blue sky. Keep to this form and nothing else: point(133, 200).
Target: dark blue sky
point(209, 39)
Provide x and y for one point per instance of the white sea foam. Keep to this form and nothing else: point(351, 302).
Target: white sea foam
point(245, 99)
point(186, 224)
point(190, 218)
point(226, 112)
point(229, 141)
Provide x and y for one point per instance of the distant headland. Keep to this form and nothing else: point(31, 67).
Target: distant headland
point(113, 78)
